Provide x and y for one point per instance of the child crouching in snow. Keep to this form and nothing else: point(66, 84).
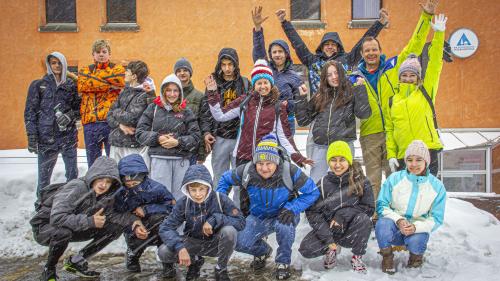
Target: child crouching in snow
point(410, 206)
point(341, 216)
point(212, 223)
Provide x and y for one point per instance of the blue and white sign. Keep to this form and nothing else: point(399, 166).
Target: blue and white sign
point(463, 43)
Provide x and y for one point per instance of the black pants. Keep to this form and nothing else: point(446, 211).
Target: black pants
point(152, 224)
point(58, 239)
point(355, 236)
point(433, 167)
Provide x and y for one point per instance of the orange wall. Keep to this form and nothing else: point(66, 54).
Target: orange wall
point(198, 29)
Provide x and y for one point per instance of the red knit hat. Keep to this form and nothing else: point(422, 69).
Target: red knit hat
point(262, 71)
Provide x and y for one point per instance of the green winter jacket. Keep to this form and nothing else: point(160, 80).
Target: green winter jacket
point(194, 98)
point(388, 78)
point(410, 115)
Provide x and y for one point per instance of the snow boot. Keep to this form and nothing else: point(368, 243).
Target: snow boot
point(330, 258)
point(195, 267)
point(168, 271)
point(221, 274)
point(415, 261)
point(283, 271)
point(259, 263)
point(79, 268)
point(132, 261)
point(358, 265)
point(48, 274)
point(387, 260)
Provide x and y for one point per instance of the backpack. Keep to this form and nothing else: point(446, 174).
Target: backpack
point(47, 193)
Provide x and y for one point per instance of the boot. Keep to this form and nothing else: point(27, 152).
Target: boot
point(79, 268)
point(48, 274)
point(415, 261)
point(387, 260)
point(221, 274)
point(168, 271)
point(194, 269)
point(132, 261)
point(260, 262)
point(283, 271)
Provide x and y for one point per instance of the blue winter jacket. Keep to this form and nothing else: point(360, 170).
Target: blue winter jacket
point(196, 214)
point(287, 81)
point(151, 195)
point(266, 197)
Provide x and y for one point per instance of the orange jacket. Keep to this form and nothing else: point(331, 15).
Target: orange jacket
point(99, 85)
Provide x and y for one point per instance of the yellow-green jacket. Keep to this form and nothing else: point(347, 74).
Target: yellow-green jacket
point(388, 78)
point(410, 114)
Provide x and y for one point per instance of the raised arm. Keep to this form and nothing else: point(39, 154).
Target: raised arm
point(305, 56)
point(431, 79)
point(259, 47)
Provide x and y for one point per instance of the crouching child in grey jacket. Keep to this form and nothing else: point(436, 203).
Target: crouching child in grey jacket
point(147, 199)
point(81, 210)
point(212, 222)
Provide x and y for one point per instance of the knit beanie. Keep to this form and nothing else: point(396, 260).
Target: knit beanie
point(411, 64)
point(418, 148)
point(339, 148)
point(267, 150)
point(262, 70)
point(183, 63)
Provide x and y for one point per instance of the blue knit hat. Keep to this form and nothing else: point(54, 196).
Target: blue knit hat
point(262, 71)
point(267, 150)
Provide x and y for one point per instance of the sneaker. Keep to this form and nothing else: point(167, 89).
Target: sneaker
point(260, 262)
point(194, 269)
point(79, 268)
point(283, 271)
point(48, 274)
point(132, 262)
point(221, 274)
point(168, 271)
point(330, 258)
point(358, 265)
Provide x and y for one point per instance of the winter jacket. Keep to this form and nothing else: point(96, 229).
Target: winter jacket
point(410, 115)
point(380, 84)
point(264, 198)
point(257, 121)
point(228, 91)
point(335, 204)
point(159, 119)
point(333, 124)
point(44, 96)
point(127, 110)
point(195, 214)
point(195, 99)
point(315, 62)
point(152, 196)
point(74, 205)
point(286, 80)
point(99, 85)
point(419, 199)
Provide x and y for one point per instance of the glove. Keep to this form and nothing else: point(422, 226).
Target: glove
point(439, 23)
point(393, 164)
point(63, 120)
point(33, 144)
point(286, 216)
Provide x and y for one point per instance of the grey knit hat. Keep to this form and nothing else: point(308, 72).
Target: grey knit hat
point(411, 64)
point(418, 148)
point(183, 63)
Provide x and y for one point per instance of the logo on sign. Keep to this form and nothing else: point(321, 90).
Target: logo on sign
point(463, 43)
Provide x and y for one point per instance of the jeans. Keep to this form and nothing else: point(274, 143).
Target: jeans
point(388, 234)
point(250, 239)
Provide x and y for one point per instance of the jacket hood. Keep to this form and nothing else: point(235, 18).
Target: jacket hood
point(172, 78)
point(283, 45)
point(197, 173)
point(227, 53)
point(103, 167)
point(132, 164)
point(334, 36)
point(64, 66)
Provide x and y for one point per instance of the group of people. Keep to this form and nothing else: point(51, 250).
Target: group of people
point(154, 183)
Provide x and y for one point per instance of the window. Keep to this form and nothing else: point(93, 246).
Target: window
point(305, 9)
point(365, 9)
point(60, 16)
point(465, 170)
point(121, 15)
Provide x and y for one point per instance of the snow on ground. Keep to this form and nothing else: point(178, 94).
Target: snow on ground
point(466, 247)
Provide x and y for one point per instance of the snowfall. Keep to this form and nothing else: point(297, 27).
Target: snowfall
point(465, 247)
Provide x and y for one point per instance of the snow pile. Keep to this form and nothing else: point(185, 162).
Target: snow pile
point(466, 247)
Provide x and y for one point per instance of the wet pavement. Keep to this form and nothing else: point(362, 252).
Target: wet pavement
point(112, 267)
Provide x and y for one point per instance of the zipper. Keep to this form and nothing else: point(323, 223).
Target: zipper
point(340, 191)
point(255, 126)
point(429, 128)
point(329, 120)
point(408, 116)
